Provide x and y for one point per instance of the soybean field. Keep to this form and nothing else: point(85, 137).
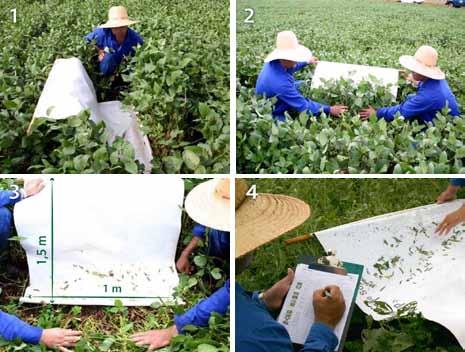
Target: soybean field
point(367, 32)
point(178, 85)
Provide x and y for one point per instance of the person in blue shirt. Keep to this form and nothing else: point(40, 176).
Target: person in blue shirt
point(433, 95)
point(258, 331)
point(9, 199)
point(259, 221)
point(12, 329)
point(207, 203)
point(455, 3)
point(218, 246)
point(114, 40)
point(276, 79)
point(456, 217)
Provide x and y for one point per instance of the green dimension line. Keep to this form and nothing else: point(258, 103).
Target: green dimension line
point(98, 297)
point(53, 246)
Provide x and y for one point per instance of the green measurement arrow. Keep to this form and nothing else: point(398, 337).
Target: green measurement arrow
point(128, 297)
point(52, 244)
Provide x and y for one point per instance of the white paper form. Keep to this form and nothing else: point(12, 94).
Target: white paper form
point(405, 261)
point(297, 314)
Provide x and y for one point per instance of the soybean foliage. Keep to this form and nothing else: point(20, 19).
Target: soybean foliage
point(362, 32)
point(178, 84)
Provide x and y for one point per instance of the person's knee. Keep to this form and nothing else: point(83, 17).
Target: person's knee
point(5, 226)
point(109, 64)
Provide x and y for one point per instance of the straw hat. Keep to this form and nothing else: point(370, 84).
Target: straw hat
point(208, 204)
point(267, 217)
point(424, 62)
point(288, 48)
point(118, 17)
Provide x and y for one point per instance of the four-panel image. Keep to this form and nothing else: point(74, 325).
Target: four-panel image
point(130, 222)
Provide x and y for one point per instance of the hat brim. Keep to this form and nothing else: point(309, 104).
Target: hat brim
point(410, 63)
point(206, 207)
point(119, 23)
point(300, 54)
point(266, 218)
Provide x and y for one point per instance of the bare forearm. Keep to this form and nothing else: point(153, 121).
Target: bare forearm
point(191, 246)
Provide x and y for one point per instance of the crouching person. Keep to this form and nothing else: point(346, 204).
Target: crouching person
point(207, 204)
point(12, 329)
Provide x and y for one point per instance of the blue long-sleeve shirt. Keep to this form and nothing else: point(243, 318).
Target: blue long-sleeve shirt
point(218, 241)
point(114, 52)
point(7, 198)
point(12, 328)
point(10, 198)
point(257, 331)
point(276, 81)
point(457, 182)
point(200, 314)
point(431, 97)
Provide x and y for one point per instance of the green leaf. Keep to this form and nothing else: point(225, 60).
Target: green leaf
point(172, 164)
point(191, 159)
point(216, 273)
point(274, 129)
point(200, 260)
point(107, 343)
point(80, 162)
point(131, 167)
point(192, 282)
point(206, 348)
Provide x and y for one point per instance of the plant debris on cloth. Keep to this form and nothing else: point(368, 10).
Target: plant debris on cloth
point(405, 262)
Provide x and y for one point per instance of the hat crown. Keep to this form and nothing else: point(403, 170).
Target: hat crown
point(286, 40)
point(117, 13)
point(427, 55)
point(241, 192)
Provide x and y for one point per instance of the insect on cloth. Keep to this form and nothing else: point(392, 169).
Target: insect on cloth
point(90, 240)
point(406, 262)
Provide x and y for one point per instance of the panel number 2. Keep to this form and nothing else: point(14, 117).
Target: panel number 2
point(250, 14)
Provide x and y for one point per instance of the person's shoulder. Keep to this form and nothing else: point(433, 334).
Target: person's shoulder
point(135, 36)
point(100, 32)
point(97, 33)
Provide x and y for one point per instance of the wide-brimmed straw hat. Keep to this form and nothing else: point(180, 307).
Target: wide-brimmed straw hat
point(264, 219)
point(424, 62)
point(288, 48)
point(208, 204)
point(118, 17)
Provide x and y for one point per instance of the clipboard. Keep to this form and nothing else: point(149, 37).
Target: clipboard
point(349, 268)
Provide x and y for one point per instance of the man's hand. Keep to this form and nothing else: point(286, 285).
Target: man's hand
point(101, 55)
point(155, 339)
point(450, 221)
point(183, 265)
point(313, 60)
point(56, 338)
point(448, 195)
point(366, 113)
point(274, 296)
point(328, 310)
point(337, 110)
point(32, 187)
